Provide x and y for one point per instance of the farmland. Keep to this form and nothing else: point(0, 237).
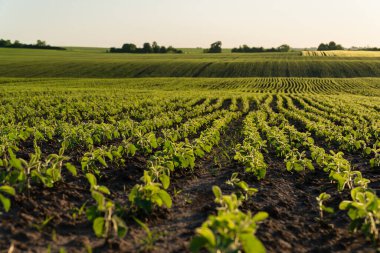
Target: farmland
point(342, 53)
point(158, 164)
point(95, 63)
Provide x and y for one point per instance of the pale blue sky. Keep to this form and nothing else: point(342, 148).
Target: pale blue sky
point(185, 23)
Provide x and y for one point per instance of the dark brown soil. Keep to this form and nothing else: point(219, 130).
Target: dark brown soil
point(294, 224)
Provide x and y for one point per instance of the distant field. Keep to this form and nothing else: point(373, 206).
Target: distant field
point(96, 63)
point(362, 86)
point(341, 53)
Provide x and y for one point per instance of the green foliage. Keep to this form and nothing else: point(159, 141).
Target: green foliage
point(90, 160)
point(149, 194)
point(252, 158)
point(40, 227)
point(39, 45)
point(364, 212)
point(297, 161)
point(5, 191)
point(97, 64)
point(172, 127)
point(243, 189)
point(146, 142)
point(178, 155)
point(330, 46)
point(151, 237)
point(146, 49)
point(375, 151)
point(215, 47)
point(230, 230)
point(47, 172)
point(341, 172)
point(247, 49)
point(78, 212)
point(105, 221)
point(321, 199)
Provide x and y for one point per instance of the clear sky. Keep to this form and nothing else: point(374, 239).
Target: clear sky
point(191, 23)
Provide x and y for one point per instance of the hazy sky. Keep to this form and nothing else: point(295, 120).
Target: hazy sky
point(185, 23)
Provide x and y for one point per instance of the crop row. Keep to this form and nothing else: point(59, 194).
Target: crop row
point(55, 136)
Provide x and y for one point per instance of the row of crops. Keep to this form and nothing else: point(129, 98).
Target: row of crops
point(328, 86)
point(66, 64)
point(60, 133)
point(342, 53)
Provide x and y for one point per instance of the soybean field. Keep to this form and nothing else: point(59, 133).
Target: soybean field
point(259, 164)
point(96, 63)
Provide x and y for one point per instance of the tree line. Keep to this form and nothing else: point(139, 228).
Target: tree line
point(247, 49)
point(329, 46)
point(147, 48)
point(17, 44)
point(154, 48)
point(371, 49)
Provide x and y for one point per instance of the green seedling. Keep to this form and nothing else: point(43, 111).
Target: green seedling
point(105, 222)
point(40, 227)
point(375, 150)
point(149, 194)
point(323, 197)
point(6, 190)
point(78, 212)
point(244, 191)
point(252, 159)
point(297, 161)
point(364, 212)
point(151, 237)
point(231, 230)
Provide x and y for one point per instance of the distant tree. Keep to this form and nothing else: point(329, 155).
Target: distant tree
point(163, 50)
point(129, 47)
point(41, 43)
point(147, 48)
point(5, 43)
point(370, 49)
point(323, 47)
point(173, 50)
point(17, 44)
point(260, 49)
point(236, 50)
point(284, 48)
point(331, 46)
point(215, 47)
point(247, 49)
point(155, 47)
point(170, 49)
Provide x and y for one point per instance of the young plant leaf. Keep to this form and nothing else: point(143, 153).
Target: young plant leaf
point(251, 244)
point(91, 179)
point(71, 168)
point(6, 202)
point(166, 199)
point(98, 226)
point(8, 189)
